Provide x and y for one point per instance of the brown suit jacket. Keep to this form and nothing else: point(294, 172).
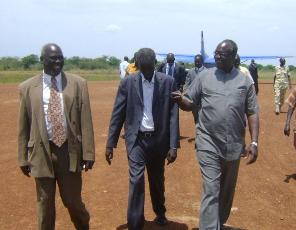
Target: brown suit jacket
point(33, 144)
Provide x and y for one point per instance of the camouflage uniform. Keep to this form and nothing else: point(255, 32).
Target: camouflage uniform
point(281, 84)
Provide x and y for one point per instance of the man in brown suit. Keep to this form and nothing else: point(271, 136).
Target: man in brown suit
point(55, 138)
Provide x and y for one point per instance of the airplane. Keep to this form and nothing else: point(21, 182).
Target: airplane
point(209, 61)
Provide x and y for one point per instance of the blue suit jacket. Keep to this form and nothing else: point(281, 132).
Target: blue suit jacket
point(128, 110)
point(179, 74)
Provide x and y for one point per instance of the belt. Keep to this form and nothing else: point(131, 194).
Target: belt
point(146, 134)
point(54, 145)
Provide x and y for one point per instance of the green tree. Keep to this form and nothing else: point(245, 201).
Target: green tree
point(291, 67)
point(30, 60)
point(113, 61)
point(10, 63)
point(269, 67)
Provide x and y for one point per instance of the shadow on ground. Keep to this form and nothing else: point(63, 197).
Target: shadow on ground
point(226, 228)
point(289, 177)
point(151, 225)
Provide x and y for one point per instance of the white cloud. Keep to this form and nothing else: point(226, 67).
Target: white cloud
point(273, 28)
point(112, 28)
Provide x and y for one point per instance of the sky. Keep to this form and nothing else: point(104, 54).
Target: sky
point(92, 28)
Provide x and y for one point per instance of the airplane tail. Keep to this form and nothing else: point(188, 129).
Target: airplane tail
point(202, 47)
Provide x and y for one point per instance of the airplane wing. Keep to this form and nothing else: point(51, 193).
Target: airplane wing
point(189, 58)
point(186, 58)
point(246, 58)
point(209, 60)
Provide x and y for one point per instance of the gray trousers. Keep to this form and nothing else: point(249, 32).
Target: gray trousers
point(219, 181)
point(70, 185)
point(145, 154)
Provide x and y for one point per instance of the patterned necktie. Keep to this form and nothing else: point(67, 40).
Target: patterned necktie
point(55, 114)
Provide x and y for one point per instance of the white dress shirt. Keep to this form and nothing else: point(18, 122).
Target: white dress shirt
point(147, 123)
point(46, 79)
point(122, 68)
point(168, 67)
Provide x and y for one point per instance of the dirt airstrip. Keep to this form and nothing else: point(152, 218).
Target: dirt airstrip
point(265, 196)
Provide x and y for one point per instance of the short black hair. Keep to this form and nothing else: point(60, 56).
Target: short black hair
point(233, 44)
point(125, 58)
point(282, 59)
point(145, 55)
point(198, 55)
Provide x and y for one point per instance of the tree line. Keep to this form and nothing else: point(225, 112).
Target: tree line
point(32, 62)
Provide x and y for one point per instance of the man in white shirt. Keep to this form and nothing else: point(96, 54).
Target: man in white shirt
point(151, 119)
point(55, 138)
point(122, 67)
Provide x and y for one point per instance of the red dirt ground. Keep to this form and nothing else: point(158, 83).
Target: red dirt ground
point(265, 195)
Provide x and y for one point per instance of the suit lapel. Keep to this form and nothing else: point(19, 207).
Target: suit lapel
point(139, 87)
point(37, 103)
point(155, 100)
point(68, 94)
point(68, 98)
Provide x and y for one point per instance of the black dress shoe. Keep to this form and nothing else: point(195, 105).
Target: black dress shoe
point(161, 220)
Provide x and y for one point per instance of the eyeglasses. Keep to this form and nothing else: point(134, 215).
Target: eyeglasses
point(223, 54)
point(56, 58)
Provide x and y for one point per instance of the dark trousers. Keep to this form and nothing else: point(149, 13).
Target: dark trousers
point(70, 185)
point(256, 87)
point(145, 154)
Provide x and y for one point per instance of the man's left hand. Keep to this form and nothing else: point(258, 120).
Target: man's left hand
point(251, 154)
point(172, 155)
point(87, 165)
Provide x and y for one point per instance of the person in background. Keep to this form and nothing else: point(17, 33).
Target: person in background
point(133, 66)
point(281, 82)
point(191, 75)
point(174, 70)
point(291, 101)
point(254, 73)
point(244, 70)
point(122, 67)
point(194, 72)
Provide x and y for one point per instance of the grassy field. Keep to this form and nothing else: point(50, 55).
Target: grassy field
point(90, 75)
point(98, 75)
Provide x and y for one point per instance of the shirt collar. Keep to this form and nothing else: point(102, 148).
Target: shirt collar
point(231, 72)
point(144, 80)
point(48, 77)
point(173, 65)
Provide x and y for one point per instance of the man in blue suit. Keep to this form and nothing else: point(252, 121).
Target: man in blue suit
point(174, 69)
point(144, 105)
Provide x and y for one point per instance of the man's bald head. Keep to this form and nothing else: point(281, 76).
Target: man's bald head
point(48, 48)
point(52, 59)
point(225, 55)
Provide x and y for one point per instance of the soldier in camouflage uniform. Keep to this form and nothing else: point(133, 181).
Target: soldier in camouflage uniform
point(281, 82)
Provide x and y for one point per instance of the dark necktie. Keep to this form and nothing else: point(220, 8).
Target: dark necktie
point(55, 114)
point(170, 72)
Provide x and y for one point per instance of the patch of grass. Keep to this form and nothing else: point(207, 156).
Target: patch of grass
point(90, 75)
point(100, 75)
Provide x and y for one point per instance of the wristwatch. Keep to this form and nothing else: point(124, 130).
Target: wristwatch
point(254, 143)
